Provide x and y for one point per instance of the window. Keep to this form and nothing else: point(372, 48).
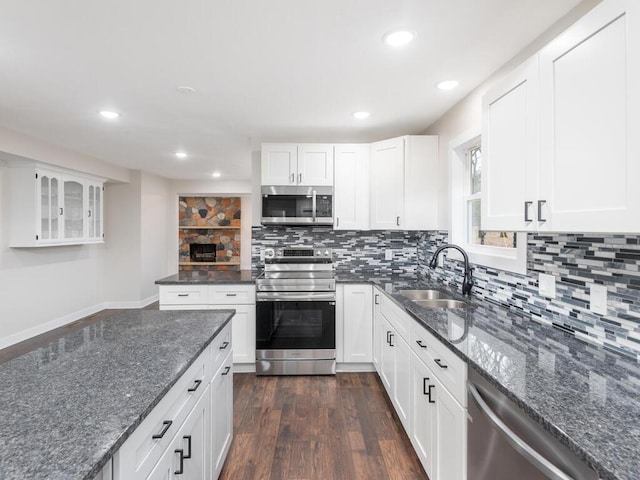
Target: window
point(501, 250)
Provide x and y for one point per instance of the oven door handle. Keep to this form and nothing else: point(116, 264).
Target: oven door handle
point(314, 204)
point(294, 296)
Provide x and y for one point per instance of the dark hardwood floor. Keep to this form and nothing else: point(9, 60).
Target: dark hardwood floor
point(340, 427)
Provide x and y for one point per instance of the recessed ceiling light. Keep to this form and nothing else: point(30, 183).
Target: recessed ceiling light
point(109, 114)
point(447, 84)
point(185, 89)
point(361, 115)
point(398, 38)
point(181, 154)
point(216, 174)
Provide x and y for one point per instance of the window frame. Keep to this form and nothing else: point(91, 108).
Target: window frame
point(501, 258)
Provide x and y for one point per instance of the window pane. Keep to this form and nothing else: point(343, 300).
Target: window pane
point(477, 236)
point(475, 169)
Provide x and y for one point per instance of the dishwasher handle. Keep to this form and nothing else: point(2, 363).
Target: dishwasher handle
point(541, 463)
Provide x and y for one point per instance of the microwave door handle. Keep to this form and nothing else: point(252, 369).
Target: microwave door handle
point(313, 205)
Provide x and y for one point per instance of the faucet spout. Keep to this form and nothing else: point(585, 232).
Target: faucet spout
point(467, 281)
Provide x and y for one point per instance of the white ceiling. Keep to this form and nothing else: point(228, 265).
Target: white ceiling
point(264, 70)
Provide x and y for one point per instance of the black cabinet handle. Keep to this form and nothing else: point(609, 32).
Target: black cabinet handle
point(224, 345)
point(398, 221)
point(226, 371)
point(391, 340)
point(89, 213)
point(195, 387)
point(165, 426)
point(526, 211)
point(420, 344)
point(424, 385)
point(61, 211)
point(431, 400)
point(188, 439)
point(540, 203)
point(180, 470)
point(438, 361)
point(388, 341)
point(183, 294)
point(375, 299)
point(232, 294)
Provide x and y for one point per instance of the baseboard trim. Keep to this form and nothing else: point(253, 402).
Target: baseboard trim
point(72, 317)
point(355, 367)
point(244, 368)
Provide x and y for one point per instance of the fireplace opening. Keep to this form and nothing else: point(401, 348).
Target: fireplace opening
point(202, 252)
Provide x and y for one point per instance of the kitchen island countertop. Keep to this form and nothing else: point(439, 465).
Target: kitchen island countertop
point(66, 408)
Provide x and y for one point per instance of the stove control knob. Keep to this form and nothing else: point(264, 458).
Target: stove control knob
point(279, 253)
point(268, 253)
point(318, 253)
point(326, 253)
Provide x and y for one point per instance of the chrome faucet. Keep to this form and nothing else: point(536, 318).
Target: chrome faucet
point(467, 281)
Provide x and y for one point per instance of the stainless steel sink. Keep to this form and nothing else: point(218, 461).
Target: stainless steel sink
point(425, 294)
point(442, 303)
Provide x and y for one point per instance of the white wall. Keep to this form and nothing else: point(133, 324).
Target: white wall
point(467, 114)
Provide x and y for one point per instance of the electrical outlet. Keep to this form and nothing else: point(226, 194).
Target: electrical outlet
point(388, 254)
point(547, 285)
point(598, 299)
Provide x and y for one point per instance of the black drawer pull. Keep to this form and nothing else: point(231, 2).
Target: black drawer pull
point(224, 345)
point(424, 385)
point(420, 344)
point(180, 470)
point(439, 362)
point(429, 394)
point(188, 439)
point(183, 294)
point(226, 371)
point(391, 340)
point(195, 387)
point(165, 426)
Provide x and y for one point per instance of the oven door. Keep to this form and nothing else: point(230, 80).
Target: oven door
point(295, 321)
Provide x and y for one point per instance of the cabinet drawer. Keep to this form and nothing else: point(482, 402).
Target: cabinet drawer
point(450, 369)
point(184, 294)
point(139, 454)
point(232, 294)
point(220, 347)
point(397, 317)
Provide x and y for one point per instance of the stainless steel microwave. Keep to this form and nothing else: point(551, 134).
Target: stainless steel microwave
point(282, 205)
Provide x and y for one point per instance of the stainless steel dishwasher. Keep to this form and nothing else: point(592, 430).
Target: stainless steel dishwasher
point(505, 443)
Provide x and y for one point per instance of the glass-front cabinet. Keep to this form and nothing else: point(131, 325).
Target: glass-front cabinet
point(50, 207)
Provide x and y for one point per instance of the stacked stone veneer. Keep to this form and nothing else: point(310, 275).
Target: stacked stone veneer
point(213, 214)
point(577, 261)
point(353, 251)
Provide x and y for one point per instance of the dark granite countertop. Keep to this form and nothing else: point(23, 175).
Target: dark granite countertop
point(213, 277)
point(67, 407)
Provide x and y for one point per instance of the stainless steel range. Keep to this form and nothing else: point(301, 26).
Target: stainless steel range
point(296, 313)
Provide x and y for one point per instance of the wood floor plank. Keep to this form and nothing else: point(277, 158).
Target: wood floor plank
point(317, 428)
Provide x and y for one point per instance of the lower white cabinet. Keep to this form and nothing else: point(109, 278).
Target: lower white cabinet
point(222, 415)
point(357, 319)
point(396, 361)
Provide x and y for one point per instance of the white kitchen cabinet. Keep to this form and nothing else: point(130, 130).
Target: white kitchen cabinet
point(53, 207)
point(558, 132)
point(292, 164)
point(378, 332)
point(357, 313)
point(387, 358)
point(589, 120)
point(510, 151)
point(222, 415)
point(423, 416)
point(396, 371)
point(404, 183)
point(351, 189)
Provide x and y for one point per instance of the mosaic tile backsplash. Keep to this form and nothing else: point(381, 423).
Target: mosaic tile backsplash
point(577, 261)
point(353, 251)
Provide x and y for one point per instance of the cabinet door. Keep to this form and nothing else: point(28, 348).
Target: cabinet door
point(73, 209)
point(451, 435)
point(93, 212)
point(243, 328)
point(590, 118)
point(315, 165)
point(387, 184)
point(279, 164)
point(402, 379)
point(49, 188)
point(222, 415)
point(423, 416)
point(358, 324)
point(378, 334)
point(510, 151)
point(351, 188)
point(387, 360)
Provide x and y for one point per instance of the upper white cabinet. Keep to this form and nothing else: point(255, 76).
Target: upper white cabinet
point(291, 164)
point(589, 119)
point(558, 131)
point(50, 207)
point(351, 188)
point(510, 145)
point(404, 183)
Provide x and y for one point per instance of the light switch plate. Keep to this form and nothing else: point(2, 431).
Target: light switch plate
point(388, 254)
point(598, 299)
point(547, 285)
